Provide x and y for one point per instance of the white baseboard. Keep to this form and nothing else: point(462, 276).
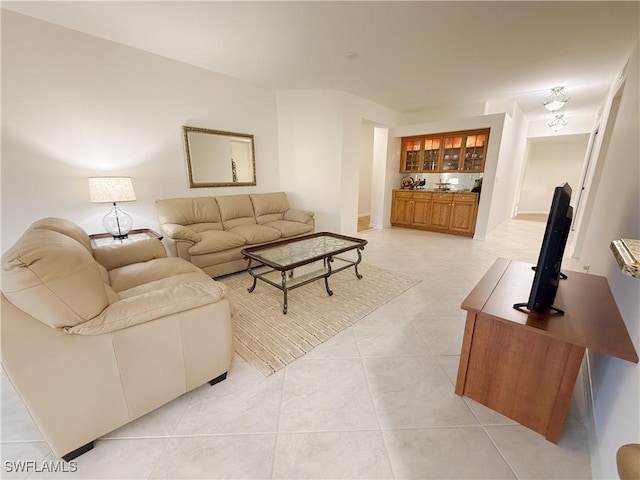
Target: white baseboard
point(531, 213)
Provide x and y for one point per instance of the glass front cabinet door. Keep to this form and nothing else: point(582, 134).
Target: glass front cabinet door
point(411, 155)
point(445, 152)
point(452, 153)
point(474, 152)
point(431, 154)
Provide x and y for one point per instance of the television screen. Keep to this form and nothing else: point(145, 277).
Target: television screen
point(547, 271)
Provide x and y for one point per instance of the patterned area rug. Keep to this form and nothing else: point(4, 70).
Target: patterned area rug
point(269, 339)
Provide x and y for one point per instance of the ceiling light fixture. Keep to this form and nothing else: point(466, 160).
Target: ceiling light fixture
point(558, 123)
point(556, 100)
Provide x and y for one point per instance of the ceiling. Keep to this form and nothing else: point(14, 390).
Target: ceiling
point(408, 56)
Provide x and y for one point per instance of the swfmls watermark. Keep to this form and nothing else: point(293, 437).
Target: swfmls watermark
point(32, 466)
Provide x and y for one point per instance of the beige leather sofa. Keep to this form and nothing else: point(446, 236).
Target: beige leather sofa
point(210, 232)
point(94, 338)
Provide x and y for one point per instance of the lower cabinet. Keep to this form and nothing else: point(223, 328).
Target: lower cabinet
point(402, 208)
point(463, 213)
point(446, 212)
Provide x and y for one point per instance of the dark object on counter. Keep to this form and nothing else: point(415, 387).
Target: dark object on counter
point(477, 187)
point(477, 190)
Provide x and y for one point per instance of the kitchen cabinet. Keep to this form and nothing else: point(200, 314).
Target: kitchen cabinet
point(452, 152)
point(422, 202)
point(402, 208)
point(441, 210)
point(463, 152)
point(411, 155)
point(447, 212)
point(464, 209)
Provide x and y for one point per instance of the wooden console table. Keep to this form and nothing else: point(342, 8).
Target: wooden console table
point(525, 366)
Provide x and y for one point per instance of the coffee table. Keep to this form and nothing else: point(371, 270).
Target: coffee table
point(286, 255)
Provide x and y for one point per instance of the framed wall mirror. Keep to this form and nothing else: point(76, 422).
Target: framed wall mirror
point(219, 159)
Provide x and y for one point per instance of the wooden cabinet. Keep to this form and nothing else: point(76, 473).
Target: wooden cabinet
point(441, 210)
point(448, 212)
point(421, 209)
point(445, 152)
point(402, 208)
point(411, 155)
point(452, 152)
point(431, 154)
point(463, 213)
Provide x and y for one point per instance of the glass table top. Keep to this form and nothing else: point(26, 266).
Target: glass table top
point(304, 250)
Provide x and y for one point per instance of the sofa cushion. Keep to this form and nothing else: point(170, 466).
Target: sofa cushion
point(53, 278)
point(205, 226)
point(269, 207)
point(188, 211)
point(290, 229)
point(235, 210)
point(254, 234)
point(130, 276)
point(216, 241)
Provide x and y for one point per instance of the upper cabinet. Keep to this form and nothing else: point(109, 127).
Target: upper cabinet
point(445, 152)
point(431, 154)
point(412, 153)
point(475, 151)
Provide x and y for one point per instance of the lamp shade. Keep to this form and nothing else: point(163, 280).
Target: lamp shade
point(111, 189)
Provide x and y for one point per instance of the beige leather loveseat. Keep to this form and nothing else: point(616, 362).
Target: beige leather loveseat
point(94, 338)
point(210, 232)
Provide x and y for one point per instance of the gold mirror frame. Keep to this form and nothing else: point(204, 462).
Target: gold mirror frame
point(210, 158)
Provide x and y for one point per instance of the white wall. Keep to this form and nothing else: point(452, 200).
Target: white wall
point(366, 164)
point(383, 176)
point(551, 161)
point(450, 112)
point(75, 106)
point(320, 150)
point(615, 213)
point(310, 137)
point(509, 169)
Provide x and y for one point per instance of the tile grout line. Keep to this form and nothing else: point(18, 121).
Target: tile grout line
point(277, 430)
point(373, 403)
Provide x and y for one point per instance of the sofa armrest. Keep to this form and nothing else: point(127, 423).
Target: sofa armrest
point(121, 254)
point(294, 215)
point(179, 232)
point(150, 306)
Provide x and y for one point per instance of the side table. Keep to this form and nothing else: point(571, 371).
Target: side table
point(102, 239)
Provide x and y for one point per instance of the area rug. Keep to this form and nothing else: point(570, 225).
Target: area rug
point(270, 340)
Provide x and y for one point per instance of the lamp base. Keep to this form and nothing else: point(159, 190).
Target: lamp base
point(117, 223)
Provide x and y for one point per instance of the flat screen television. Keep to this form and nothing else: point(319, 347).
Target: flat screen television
point(547, 271)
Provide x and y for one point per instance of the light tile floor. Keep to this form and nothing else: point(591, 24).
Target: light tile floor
point(376, 401)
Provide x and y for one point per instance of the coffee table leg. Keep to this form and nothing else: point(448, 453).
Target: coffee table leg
point(355, 265)
point(255, 279)
point(327, 275)
point(284, 290)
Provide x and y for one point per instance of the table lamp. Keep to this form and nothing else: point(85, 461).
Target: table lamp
point(112, 190)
